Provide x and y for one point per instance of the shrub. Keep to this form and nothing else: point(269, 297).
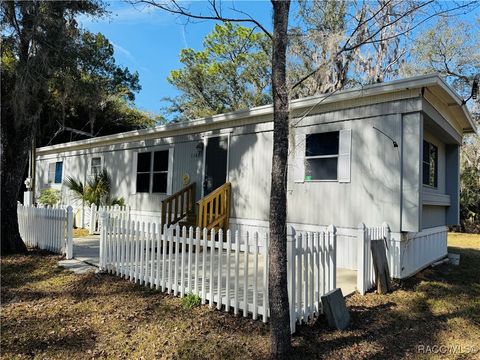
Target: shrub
point(191, 300)
point(49, 197)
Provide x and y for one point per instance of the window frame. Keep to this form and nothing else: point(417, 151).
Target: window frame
point(152, 172)
point(90, 172)
point(53, 179)
point(435, 163)
point(330, 156)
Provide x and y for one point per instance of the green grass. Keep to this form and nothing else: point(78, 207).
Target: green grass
point(191, 300)
point(50, 313)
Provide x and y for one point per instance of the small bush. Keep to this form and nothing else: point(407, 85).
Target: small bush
point(191, 300)
point(49, 197)
point(118, 201)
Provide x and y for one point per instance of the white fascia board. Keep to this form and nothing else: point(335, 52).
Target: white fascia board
point(255, 115)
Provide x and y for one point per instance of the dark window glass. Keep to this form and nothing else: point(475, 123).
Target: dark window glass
point(322, 144)
point(159, 183)
point(430, 164)
point(160, 161)
point(321, 169)
point(58, 172)
point(426, 151)
point(143, 162)
point(426, 173)
point(143, 182)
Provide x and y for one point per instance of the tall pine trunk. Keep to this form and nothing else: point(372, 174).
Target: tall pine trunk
point(277, 286)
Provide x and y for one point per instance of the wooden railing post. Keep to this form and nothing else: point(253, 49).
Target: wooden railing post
point(214, 209)
point(174, 203)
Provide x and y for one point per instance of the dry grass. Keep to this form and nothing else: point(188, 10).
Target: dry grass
point(80, 232)
point(49, 313)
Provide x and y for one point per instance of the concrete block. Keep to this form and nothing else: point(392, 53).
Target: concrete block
point(335, 309)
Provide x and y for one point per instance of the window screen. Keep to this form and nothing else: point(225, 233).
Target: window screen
point(321, 156)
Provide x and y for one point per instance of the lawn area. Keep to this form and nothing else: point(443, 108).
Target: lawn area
point(47, 312)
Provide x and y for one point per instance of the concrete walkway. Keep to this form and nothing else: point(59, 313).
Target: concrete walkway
point(86, 251)
point(85, 255)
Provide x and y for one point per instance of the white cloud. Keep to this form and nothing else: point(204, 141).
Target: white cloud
point(126, 13)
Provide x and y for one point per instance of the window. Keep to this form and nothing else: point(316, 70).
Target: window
point(152, 172)
point(55, 172)
point(430, 164)
point(95, 165)
point(321, 156)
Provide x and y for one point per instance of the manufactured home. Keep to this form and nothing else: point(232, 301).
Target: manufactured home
point(384, 153)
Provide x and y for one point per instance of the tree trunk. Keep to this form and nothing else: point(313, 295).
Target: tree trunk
point(15, 143)
point(277, 286)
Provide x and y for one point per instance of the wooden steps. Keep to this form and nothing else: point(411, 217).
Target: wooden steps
point(210, 212)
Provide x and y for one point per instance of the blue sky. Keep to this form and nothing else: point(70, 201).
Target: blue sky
point(149, 41)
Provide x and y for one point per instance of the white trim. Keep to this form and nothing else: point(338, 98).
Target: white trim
point(205, 144)
point(152, 151)
point(258, 114)
point(204, 157)
point(425, 232)
point(133, 179)
point(344, 164)
point(171, 155)
point(92, 156)
point(228, 156)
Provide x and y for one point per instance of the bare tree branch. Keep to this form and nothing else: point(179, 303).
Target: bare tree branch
point(175, 8)
point(371, 37)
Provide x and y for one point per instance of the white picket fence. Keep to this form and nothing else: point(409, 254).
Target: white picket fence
point(227, 270)
point(365, 272)
point(115, 211)
point(47, 228)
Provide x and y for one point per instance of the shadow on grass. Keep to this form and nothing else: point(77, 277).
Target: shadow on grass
point(383, 326)
point(20, 270)
point(394, 325)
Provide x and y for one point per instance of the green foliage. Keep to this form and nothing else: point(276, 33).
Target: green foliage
point(96, 191)
point(470, 185)
point(49, 197)
point(451, 48)
point(92, 93)
point(118, 201)
point(232, 72)
point(191, 300)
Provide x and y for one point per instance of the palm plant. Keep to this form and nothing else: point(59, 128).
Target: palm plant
point(95, 191)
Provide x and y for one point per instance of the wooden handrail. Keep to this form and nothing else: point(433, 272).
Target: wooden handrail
point(178, 205)
point(214, 209)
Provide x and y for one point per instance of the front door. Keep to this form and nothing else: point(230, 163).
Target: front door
point(216, 158)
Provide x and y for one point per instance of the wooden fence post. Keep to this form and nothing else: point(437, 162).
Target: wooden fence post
point(388, 247)
point(361, 260)
point(69, 244)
